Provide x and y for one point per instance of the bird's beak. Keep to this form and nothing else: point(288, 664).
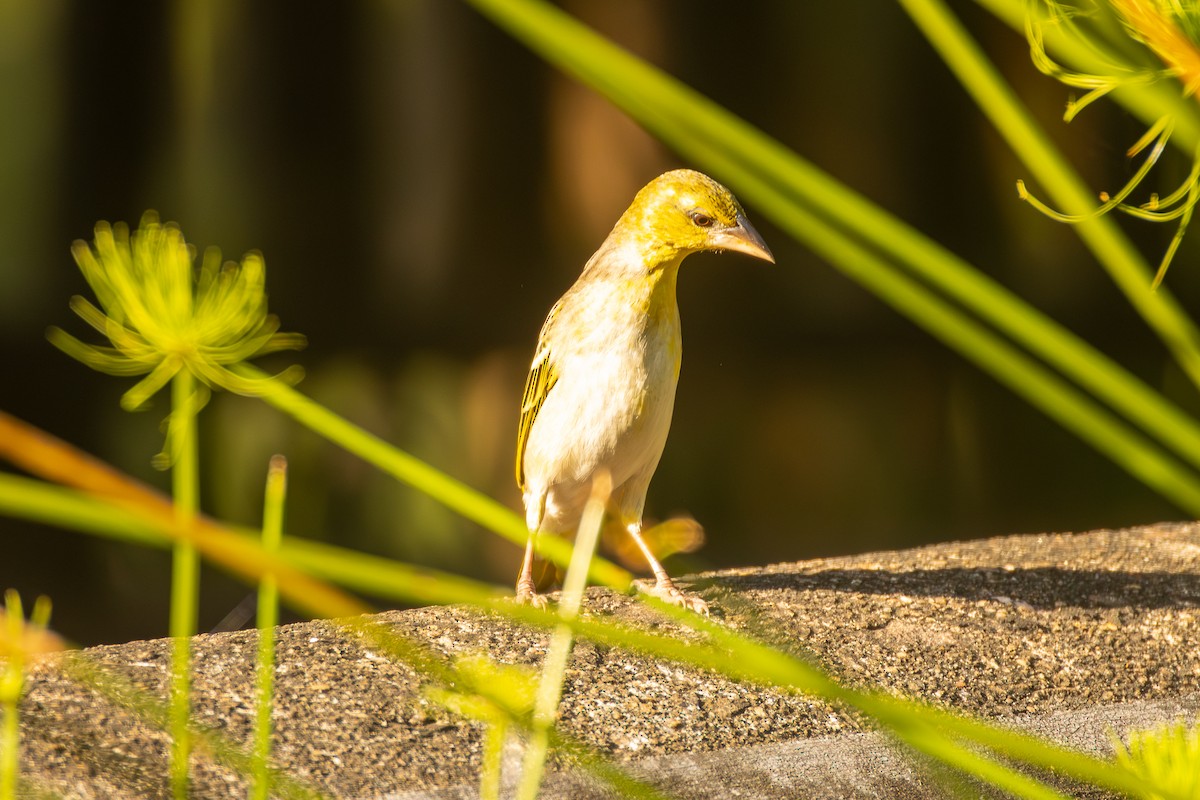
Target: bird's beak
point(741, 238)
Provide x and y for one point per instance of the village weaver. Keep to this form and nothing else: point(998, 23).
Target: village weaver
point(601, 386)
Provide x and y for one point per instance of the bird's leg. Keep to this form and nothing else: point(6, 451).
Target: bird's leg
point(526, 590)
point(664, 588)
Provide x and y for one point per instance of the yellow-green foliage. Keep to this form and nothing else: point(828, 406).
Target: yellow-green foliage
point(1167, 758)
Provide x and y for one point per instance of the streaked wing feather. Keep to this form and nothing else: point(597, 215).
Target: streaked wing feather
point(542, 377)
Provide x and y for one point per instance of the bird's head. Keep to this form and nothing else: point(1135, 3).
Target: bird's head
point(684, 211)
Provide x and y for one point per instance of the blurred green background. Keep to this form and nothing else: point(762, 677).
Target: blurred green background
point(423, 189)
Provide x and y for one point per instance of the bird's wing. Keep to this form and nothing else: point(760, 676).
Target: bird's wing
point(542, 377)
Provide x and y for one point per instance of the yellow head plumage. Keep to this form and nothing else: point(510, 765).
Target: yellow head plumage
point(682, 212)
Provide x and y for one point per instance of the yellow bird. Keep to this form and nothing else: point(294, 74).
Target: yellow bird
point(601, 387)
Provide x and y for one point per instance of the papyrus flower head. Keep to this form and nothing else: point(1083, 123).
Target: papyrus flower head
point(1133, 43)
point(161, 315)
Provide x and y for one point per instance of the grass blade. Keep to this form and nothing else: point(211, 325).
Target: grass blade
point(554, 669)
point(185, 571)
point(268, 618)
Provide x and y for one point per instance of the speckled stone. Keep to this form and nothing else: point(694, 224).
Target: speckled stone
point(1018, 628)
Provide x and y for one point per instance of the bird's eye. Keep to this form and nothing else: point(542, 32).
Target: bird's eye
point(701, 219)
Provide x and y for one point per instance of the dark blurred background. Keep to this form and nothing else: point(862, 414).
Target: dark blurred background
point(423, 189)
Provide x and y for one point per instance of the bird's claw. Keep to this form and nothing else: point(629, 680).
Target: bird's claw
point(668, 592)
point(528, 597)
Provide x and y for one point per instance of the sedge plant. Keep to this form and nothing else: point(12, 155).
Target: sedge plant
point(172, 323)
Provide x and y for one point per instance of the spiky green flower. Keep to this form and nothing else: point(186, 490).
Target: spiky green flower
point(1165, 758)
point(1139, 42)
point(162, 316)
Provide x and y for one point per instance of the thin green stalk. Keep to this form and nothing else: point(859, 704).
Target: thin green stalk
point(11, 685)
point(185, 572)
point(493, 760)
point(1013, 121)
point(554, 670)
point(1000, 776)
point(1025, 748)
point(51, 504)
point(454, 494)
point(268, 618)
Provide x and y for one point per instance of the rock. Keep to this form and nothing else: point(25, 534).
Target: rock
point(1064, 634)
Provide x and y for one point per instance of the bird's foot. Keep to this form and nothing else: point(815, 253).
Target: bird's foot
point(668, 592)
point(527, 596)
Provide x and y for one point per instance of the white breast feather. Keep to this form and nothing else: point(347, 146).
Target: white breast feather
point(615, 410)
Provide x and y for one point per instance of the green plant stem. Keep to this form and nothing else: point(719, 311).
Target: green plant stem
point(554, 670)
point(268, 618)
point(936, 745)
point(1009, 116)
point(185, 572)
point(493, 760)
point(51, 504)
point(11, 683)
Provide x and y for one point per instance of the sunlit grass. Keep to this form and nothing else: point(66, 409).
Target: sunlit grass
point(185, 327)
